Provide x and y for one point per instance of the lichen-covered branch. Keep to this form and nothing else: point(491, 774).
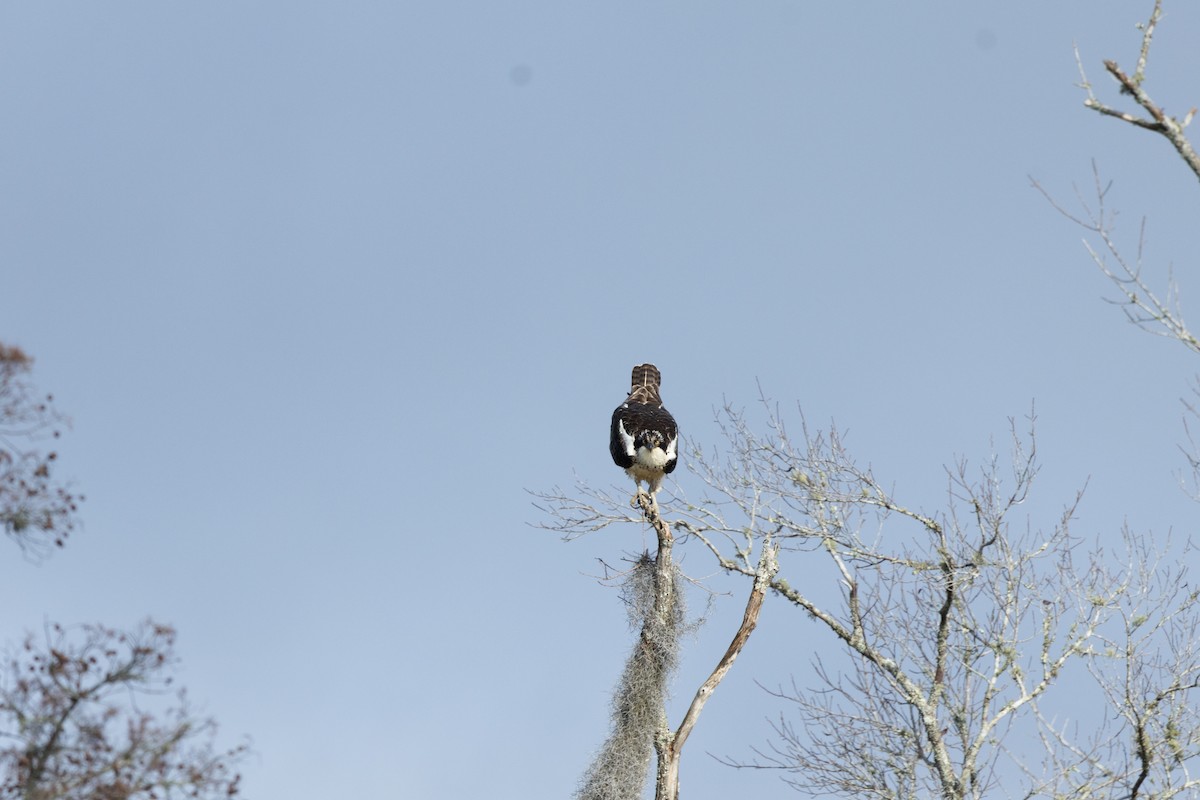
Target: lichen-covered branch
point(956, 626)
point(1158, 314)
point(652, 592)
point(1158, 121)
point(619, 770)
point(946, 636)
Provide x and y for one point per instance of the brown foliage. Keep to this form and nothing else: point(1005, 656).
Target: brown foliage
point(36, 511)
point(73, 709)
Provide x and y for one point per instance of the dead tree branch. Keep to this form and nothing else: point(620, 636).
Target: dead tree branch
point(639, 715)
point(1158, 121)
point(670, 745)
point(652, 591)
point(1142, 306)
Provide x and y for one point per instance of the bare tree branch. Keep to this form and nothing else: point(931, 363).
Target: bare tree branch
point(1159, 121)
point(619, 770)
point(951, 632)
point(1140, 304)
point(958, 625)
point(670, 745)
point(652, 590)
point(1159, 313)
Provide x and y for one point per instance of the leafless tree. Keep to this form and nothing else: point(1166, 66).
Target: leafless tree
point(962, 625)
point(1156, 311)
point(36, 511)
point(954, 638)
point(1157, 121)
point(957, 628)
point(969, 650)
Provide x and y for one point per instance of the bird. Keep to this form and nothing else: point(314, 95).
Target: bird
point(643, 438)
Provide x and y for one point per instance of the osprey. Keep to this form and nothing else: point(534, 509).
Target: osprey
point(644, 438)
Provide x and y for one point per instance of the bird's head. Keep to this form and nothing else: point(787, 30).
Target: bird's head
point(653, 439)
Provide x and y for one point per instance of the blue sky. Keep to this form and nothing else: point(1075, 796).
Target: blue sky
point(326, 287)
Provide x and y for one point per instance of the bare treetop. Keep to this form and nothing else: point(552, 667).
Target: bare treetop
point(948, 633)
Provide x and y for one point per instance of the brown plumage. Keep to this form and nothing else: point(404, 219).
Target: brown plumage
point(645, 383)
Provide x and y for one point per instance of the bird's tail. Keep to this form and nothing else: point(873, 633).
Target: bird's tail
point(646, 381)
